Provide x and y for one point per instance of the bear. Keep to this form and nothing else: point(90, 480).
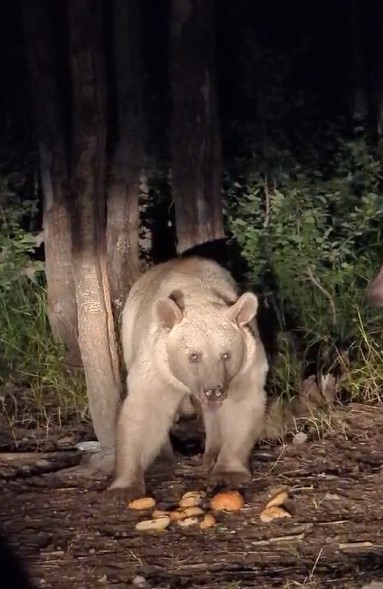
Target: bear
point(189, 335)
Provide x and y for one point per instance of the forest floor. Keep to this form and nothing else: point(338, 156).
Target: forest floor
point(70, 535)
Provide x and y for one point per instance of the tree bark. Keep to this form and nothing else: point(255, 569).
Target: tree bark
point(358, 69)
point(378, 71)
point(49, 126)
point(195, 135)
point(123, 217)
point(95, 319)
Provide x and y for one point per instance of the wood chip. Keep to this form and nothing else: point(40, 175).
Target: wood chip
point(355, 545)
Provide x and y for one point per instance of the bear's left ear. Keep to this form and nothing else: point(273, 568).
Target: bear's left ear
point(244, 310)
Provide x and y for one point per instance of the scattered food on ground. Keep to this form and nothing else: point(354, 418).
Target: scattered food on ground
point(67, 533)
point(227, 501)
point(278, 498)
point(142, 503)
point(192, 498)
point(274, 512)
point(159, 523)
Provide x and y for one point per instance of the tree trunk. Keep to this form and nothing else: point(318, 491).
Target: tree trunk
point(195, 136)
point(49, 127)
point(358, 69)
point(95, 319)
point(378, 71)
point(127, 163)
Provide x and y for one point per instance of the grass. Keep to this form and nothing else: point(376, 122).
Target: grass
point(357, 373)
point(36, 391)
point(363, 379)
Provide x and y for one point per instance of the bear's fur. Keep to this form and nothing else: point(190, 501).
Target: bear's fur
point(186, 332)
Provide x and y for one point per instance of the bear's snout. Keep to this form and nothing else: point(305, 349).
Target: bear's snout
point(213, 394)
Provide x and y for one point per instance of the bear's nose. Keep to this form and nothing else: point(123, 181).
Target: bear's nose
point(213, 392)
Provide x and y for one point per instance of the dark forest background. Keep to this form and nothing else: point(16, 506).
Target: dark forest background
point(299, 98)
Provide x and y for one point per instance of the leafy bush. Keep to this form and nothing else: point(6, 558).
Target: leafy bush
point(312, 240)
point(31, 368)
point(16, 243)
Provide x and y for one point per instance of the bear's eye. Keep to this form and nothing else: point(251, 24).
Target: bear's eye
point(226, 356)
point(194, 357)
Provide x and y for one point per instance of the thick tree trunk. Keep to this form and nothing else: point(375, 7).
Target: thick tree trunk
point(195, 136)
point(123, 210)
point(49, 126)
point(95, 319)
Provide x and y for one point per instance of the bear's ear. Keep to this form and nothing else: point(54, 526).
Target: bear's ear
point(167, 312)
point(245, 309)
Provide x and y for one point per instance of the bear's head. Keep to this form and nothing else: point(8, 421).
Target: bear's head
point(206, 344)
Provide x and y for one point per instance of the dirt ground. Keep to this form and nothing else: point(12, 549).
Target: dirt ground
point(69, 535)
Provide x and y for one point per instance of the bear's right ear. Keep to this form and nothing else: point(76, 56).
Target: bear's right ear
point(167, 312)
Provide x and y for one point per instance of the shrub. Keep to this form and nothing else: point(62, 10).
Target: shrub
point(34, 386)
point(312, 240)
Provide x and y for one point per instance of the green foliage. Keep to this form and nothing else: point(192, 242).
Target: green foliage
point(32, 373)
point(313, 239)
point(32, 363)
point(16, 243)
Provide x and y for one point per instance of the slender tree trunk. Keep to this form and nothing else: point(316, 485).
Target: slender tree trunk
point(49, 125)
point(374, 62)
point(358, 69)
point(195, 136)
point(127, 163)
point(95, 319)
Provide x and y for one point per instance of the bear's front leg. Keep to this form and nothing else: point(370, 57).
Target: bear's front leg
point(212, 438)
point(240, 423)
point(142, 431)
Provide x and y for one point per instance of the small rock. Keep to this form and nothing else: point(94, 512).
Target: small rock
point(140, 582)
point(374, 585)
point(91, 446)
point(42, 463)
point(300, 438)
point(332, 497)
